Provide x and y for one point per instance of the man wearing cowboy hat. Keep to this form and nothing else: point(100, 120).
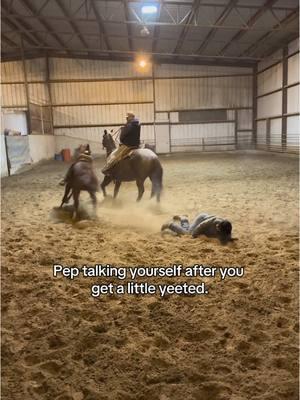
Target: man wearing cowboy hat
point(129, 139)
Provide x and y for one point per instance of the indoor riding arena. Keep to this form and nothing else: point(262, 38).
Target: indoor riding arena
point(190, 107)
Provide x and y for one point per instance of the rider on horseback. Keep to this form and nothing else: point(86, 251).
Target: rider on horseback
point(129, 140)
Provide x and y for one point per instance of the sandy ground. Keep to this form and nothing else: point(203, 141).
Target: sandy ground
point(238, 342)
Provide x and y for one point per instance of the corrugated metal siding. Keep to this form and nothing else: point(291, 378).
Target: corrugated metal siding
point(275, 57)
point(173, 70)
point(199, 93)
point(270, 80)
point(293, 132)
point(293, 99)
point(293, 69)
point(36, 69)
point(13, 95)
point(245, 140)
point(270, 105)
point(194, 133)
point(93, 69)
point(12, 71)
point(38, 93)
point(261, 129)
point(293, 46)
point(244, 119)
point(101, 115)
point(102, 92)
point(275, 132)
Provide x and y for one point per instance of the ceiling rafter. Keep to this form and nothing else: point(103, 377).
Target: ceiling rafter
point(19, 25)
point(191, 18)
point(220, 20)
point(71, 22)
point(129, 31)
point(43, 20)
point(282, 23)
point(268, 4)
point(8, 41)
point(101, 25)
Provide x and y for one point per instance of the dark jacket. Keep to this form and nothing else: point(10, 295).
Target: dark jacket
point(130, 133)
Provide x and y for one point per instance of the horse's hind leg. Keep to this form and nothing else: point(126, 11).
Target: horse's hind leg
point(116, 189)
point(76, 203)
point(141, 189)
point(67, 195)
point(94, 201)
point(106, 181)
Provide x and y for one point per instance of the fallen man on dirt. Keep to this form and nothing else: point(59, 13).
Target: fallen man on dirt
point(203, 224)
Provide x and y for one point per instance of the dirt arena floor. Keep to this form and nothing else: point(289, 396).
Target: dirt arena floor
point(238, 342)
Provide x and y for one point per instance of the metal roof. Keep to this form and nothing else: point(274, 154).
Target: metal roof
point(227, 32)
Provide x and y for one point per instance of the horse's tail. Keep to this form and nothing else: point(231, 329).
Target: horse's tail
point(156, 179)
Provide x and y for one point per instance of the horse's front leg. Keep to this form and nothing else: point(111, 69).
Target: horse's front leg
point(141, 189)
point(117, 188)
point(106, 181)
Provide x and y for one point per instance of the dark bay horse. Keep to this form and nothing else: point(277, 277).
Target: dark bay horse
point(81, 176)
point(140, 165)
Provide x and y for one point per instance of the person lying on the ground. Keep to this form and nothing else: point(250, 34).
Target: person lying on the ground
point(203, 224)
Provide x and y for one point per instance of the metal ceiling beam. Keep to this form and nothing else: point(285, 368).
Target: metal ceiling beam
point(129, 32)
point(72, 23)
point(156, 31)
point(220, 20)
point(195, 24)
point(132, 53)
point(8, 41)
point(101, 25)
point(282, 23)
point(206, 4)
point(185, 30)
point(18, 24)
point(268, 4)
point(35, 11)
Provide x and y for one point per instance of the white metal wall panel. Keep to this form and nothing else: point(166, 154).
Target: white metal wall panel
point(244, 119)
point(72, 138)
point(102, 92)
point(12, 71)
point(190, 134)
point(274, 58)
point(293, 131)
point(269, 106)
point(293, 69)
point(13, 95)
point(64, 68)
point(261, 131)
point(293, 46)
point(269, 80)
point(162, 117)
point(38, 93)
point(293, 99)
point(275, 132)
point(199, 93)
point(36, 69)
point(244, 139)
point(173, 70)
point(101, 115)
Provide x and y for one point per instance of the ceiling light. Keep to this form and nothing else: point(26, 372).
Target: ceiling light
point(142, 63)
point(149, 9)
point(145, 31)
